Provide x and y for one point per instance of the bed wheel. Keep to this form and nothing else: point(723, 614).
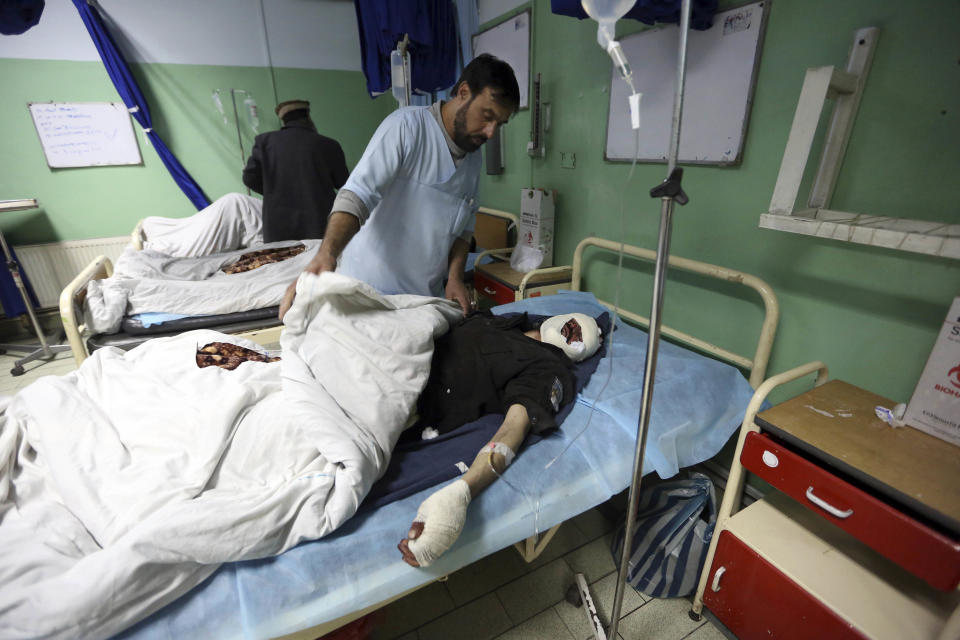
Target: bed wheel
point(17, 371)
point(696, 617)
point(573, 595)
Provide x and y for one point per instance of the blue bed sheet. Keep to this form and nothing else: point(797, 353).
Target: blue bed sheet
point(698, 404)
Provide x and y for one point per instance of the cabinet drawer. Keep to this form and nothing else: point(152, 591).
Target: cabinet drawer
point(913, 545)
point(496, 291)
point(754, 599)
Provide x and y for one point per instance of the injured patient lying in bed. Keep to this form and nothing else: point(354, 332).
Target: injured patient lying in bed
point(492, 364)
point(126, 483)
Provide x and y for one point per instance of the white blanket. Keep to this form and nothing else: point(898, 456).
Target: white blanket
point(233, 221)
point(147, 281)
point(126, 483)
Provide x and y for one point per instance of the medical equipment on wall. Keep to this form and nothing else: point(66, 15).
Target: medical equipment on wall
point(250, 114)
point(400, 72)
point(606, 13)
point(539, 123)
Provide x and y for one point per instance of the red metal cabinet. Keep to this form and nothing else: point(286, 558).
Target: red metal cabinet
point(755, 600)
point(910, 543)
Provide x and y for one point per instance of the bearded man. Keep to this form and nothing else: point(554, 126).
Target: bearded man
point(403, 221)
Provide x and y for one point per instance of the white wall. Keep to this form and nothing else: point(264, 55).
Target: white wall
point(306, 34)
point(493, 9)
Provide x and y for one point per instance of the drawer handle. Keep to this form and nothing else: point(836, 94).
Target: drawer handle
point(716, 578)
point(489, 291)
point(826, 506)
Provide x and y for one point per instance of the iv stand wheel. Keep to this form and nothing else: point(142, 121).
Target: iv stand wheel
point(573, 595)
point(17, 371)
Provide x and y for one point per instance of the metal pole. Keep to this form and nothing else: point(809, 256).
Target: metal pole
point(14, 269)
point(236, 119)
point(653, 337)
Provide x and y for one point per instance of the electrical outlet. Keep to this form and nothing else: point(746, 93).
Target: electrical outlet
point(568, 160)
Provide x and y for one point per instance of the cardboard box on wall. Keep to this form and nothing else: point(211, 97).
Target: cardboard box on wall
point(935, 404)
point(537, 208)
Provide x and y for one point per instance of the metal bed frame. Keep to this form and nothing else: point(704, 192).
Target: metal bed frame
point(71, 312)
point(533, 546)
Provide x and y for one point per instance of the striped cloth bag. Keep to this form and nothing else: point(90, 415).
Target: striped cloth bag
point(671, 538)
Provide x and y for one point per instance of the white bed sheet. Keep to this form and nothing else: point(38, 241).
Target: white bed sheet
point(233, 221)
point(698, 404)
point(126, 483)
point(148, 281)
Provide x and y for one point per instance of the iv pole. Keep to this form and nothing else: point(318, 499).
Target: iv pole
point(668, 191)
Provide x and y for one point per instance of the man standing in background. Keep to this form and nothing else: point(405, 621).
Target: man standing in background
point(297, 171)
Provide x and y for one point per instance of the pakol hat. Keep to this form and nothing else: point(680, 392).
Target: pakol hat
point(291, 105)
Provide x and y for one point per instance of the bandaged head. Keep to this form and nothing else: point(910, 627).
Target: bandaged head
point(575, 333)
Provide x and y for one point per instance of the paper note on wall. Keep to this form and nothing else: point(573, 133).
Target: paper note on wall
point(85, 134)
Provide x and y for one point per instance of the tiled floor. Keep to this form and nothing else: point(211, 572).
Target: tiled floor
point(9, 385)
point(502, 597)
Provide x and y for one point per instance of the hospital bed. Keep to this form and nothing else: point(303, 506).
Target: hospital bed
point(699, 402)
point(260, 325)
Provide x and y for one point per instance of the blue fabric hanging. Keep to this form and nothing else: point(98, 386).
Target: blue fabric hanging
point(16, 16)
point(10, 298)
point(431, 26)
point(649, 11)
point(127, 87)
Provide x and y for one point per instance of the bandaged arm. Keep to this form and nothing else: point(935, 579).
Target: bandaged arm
point(441, 517)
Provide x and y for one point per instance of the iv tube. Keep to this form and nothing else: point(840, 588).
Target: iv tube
point(606, 13)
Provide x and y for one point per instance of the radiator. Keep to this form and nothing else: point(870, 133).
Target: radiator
point(50, 267)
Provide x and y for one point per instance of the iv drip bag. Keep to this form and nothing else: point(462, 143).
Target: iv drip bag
point(606, 13)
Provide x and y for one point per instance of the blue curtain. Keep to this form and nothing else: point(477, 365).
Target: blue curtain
point(132, 97)
point(430, 24)
point(468, 23)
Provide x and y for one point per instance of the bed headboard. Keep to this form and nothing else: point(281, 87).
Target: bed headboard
point(71, 304)
point(138, 236)
point(493, 228)
point(757, 364)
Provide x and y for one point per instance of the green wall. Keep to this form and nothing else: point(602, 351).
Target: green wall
point(97, 202)
point(871, 314)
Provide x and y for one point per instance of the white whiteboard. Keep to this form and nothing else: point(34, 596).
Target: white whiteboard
point(510, 41)
point(85, 134)
point(721, 67)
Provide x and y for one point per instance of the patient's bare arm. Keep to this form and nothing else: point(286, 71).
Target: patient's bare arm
point(456, 289)
point(440, 517)
point(341, 227)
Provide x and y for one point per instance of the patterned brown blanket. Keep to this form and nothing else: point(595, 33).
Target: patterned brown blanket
point(252, 260)
point(228, 356)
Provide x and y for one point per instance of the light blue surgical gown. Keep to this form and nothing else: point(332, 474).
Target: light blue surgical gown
point(419, 203)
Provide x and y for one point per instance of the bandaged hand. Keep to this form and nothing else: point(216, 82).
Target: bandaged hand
point(437, 526)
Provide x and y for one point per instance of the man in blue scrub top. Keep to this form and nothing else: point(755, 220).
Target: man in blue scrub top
point(403, 221)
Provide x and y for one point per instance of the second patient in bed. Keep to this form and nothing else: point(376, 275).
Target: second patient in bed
point(492, 364)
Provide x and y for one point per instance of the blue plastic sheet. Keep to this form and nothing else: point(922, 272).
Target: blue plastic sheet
point(698, 404)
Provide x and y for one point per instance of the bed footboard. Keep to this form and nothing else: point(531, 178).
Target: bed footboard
point(71, 304)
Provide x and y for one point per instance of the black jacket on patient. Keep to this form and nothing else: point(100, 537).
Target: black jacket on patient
point(484, 365)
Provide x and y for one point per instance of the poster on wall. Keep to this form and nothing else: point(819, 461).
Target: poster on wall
point(85, 134)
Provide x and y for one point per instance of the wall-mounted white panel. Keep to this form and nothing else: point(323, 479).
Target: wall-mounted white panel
point(310, 34)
